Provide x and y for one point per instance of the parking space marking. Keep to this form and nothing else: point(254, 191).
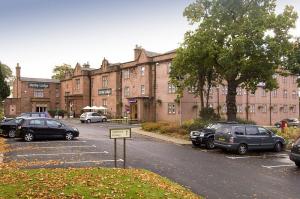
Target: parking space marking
point(257, 156)
point(62, 147)
point(277, 166)
point(57, 154)
point(93, 161)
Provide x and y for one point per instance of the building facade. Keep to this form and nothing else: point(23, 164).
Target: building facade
point(140, 89)
point(32, 95)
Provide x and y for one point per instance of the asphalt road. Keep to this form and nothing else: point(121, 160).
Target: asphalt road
point(213, 174)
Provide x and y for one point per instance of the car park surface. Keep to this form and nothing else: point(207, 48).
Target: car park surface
point(211, 173)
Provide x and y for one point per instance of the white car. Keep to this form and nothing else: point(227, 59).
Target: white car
point(89, 117)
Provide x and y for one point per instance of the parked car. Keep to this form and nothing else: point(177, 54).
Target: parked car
point(35, 128)
point(34, 114)
point(291, 122)
point(89, 117)
point(206, 135)
point(6, 119)
point(241, 138)
point(295, 153)
point(9, 127)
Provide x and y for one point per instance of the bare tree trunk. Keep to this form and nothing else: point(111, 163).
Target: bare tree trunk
point(231, 101)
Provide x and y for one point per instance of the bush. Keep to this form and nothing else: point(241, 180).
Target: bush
point(243, 121)
point(209, 114)
point(191, 125)
point(289, 134)
point(173, 129)
point(153, 126)
point(58, 112)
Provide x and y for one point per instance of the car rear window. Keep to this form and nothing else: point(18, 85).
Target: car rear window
point(36, 122)
point(224, 129)
point(239, 130)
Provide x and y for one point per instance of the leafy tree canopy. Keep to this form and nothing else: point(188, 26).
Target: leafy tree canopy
point(60, 71)
point(4, 87)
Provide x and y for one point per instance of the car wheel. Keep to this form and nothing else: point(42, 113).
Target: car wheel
point(12, 133)
point(82, 121)
point(242, 149)
point(88, 121)
point(104, 120)
point(28, 137)
point(196, 144)
point(297, 164)
point(278, 147)
point(69, 136)
point(210, 144)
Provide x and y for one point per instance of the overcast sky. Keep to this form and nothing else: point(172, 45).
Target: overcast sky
point(40, 34)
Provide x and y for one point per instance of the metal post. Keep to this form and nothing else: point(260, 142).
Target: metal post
point(115, 153)
point(124, 156)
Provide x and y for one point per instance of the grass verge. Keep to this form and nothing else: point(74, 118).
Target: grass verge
point(88, 183)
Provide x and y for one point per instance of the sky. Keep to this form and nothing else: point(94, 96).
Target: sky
point(40, 34)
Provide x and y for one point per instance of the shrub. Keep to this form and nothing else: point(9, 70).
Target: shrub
point(190, 125)
point(172, 129)
point(243, 121)
point(289, 134)
point(153, 126)
point(209, 114)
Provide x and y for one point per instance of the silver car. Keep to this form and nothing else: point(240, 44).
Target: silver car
point(89, 117)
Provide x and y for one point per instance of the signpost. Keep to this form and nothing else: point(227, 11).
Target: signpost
point(118, 134)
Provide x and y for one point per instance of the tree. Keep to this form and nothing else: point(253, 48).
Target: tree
point(60, 71)
point(247, 41)
point(192, 67)
point(4, 87)
point(7, 73)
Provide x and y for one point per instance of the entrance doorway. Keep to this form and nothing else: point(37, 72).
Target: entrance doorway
point(133, 111)
point(40, 109)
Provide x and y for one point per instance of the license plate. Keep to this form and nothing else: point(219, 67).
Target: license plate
point(221, 139)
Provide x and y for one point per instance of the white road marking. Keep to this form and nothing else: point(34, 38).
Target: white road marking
point(60, 147)
point(257, 156)
point(57, 154)
point(93, 161)
point(277, 166)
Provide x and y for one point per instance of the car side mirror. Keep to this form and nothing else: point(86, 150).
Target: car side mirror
point(60, 125)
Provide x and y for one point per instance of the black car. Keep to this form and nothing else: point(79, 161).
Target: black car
point(295, 153)
point(9, 127)
point(206, 135)
point(241, 138)
point(35, 128)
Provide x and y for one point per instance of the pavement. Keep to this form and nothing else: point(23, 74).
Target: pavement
point(210, 173)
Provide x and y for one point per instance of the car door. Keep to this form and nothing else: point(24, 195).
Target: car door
point(96, 117)
point(38, 127)
point(253, 137)
point(54, 128)
point(267, 141)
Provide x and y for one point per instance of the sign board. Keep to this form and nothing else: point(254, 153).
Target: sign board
point(38, 85)
point(120, 133)
point(105, 91)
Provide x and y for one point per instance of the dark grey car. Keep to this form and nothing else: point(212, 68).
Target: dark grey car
point(241, 138)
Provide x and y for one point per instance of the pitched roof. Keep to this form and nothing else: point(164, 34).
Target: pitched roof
point(28, 79)
point(151, 54)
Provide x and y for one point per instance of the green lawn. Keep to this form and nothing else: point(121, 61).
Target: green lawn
point(87, 183)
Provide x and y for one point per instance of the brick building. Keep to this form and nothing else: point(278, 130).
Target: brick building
point(140, 89)
point(32, 95)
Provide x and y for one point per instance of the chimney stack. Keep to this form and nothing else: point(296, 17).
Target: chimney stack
point(137, 51)
point(18, 71)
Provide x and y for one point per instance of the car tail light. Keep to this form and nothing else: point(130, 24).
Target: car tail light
point(19, 127)
point(231, 140)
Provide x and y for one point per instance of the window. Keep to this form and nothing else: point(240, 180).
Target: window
point(275, 108)
point(239, 91)
point(224, 108)
point(67, 93)
point(37, 122)
point(252, 108)
point(53, 123)
point(263, 131)
point(239, 108)
point(294, 95)
point(263, 108)
point(284, 79)
point(38, 93)
point(142, 70)
point(169, 68)
point(56, 93)
point(263, 93)
point(295, 79)
point(285, 108)
point(274, 93)
point(293, 108)
point(171, 108)
point(104, 81)
point(171, 88)
point(251, 130)
point(126, 91)
point(126, 74)
point(239, 130)
point(77, 84)
point(285, 94)
point(191, 89)
point(142, 89)
point(104, 102)
point(252, 93)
